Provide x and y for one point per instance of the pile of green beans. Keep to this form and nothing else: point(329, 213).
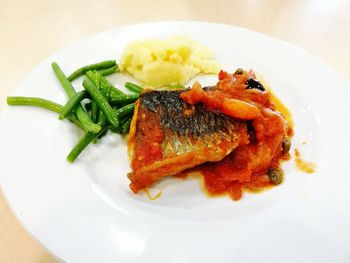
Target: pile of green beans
point(104, 108)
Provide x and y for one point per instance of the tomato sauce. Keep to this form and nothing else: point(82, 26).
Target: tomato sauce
point(150, 132)
point(245, 169)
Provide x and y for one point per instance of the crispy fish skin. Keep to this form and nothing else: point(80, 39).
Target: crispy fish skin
point(184, 136)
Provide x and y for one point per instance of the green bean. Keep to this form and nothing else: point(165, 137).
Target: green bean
point(94, 111)
point(73, 118)
point(67, 86)
point(125, 119)
point(109, 71)
point(114, 90)
point(42, 103)
point(93, 75)
point(81, 114)
point(101, 102)
point(123, 99)
point(125, 110)
point(112, 94)
point(103, 134)
point(101, 117)
point(83, 142)
point(133, 87)
point(126, 126)
point(105, 89)
point(101, 65)
point(38, 102)
point(72, 103)
point(121, 123)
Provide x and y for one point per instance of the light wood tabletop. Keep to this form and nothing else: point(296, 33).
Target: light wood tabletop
point(32, 30)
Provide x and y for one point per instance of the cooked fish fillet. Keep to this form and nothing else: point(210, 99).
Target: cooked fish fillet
point(168, 136)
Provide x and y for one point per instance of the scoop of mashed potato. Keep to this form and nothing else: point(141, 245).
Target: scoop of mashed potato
point(160, 62)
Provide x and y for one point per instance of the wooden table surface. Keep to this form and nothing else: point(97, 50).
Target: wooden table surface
point(32, 30)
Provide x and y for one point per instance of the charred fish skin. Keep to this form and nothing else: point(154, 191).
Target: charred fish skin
point(170, 136)
point(184, 119)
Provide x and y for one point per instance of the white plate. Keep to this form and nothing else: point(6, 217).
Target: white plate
point(85, 212)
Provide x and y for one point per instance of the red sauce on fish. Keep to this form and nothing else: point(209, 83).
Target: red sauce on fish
point(150, 132)
point(246, 167)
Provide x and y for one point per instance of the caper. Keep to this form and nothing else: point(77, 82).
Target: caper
point(239, 71)
point(286, 144)
point(275, 175)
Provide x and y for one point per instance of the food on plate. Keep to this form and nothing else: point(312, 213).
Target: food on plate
point(171, 136)
point(105, 68)
point(104, 108)
point(231, 133)
point(234, 134)
point(133, 87)
point(160, 62)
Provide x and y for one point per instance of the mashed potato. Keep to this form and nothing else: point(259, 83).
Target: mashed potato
point(159, 62)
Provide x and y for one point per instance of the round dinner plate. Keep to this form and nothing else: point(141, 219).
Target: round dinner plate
point(85, 212)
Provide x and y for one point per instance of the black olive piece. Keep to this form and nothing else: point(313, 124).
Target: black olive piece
point(239, 71)
point(275, 175)
point(254, 84)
